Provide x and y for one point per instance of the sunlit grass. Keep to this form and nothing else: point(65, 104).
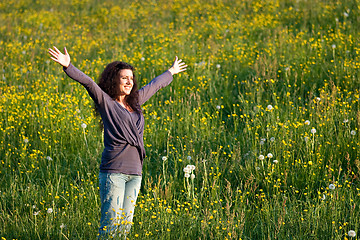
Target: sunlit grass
point(262, 75)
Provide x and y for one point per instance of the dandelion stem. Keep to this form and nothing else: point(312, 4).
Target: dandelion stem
point(64, 235)
point(87, 146)
point(163, 163)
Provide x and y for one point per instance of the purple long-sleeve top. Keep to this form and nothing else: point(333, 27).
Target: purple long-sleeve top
point(124, 150)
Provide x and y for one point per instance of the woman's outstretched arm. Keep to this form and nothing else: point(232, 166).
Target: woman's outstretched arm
point(93, 89)
point(161, 81)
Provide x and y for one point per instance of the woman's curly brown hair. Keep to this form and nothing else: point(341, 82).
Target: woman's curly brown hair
point(109, 82)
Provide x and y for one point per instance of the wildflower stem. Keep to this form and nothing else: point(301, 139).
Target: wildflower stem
point(313, 144)
point(64, 235)
point(163, 167)
point(87, 146)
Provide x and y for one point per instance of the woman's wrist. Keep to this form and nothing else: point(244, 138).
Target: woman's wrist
point(171, 70)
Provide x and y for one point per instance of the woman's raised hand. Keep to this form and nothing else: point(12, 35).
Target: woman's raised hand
point(177, 67)
point(57, 56)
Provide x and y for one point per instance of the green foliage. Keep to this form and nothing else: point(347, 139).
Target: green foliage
point(258, 70)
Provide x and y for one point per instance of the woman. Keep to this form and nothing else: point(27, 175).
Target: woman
point(118, 102)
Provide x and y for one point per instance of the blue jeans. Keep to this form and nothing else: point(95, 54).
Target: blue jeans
point(118, 194)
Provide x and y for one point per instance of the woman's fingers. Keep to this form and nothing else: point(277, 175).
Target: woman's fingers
point(57, 50)
point(55, 59)
point(182, 68)
point(53, 53)
point(54, 56)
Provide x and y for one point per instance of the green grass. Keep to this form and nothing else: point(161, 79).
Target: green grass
point(300, 57)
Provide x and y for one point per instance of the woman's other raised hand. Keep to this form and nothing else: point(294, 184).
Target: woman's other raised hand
point(177, 67)
point(57, 56)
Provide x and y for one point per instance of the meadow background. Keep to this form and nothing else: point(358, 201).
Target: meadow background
point(267, 112)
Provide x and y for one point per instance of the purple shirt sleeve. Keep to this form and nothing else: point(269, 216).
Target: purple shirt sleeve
point(152, 87)
point(93, 89)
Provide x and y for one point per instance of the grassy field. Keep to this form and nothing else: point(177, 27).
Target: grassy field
point(267, 112)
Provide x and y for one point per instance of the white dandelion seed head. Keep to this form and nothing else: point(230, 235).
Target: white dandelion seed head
point(191, 167)
point(333, 46)
point(346, 121)
point(346, 14)
point(270, 155)
point(62, 226)
point(192, 176)
point(261, 157)
point(26, 140)
point(306, 139)
point(331, 186)
point(287, 68)
point(313, 130)
point(218, 107)
point(78, 110)
point(187, 175)
point(164, 158)
point(188, 158)
point(269, 107)
point(352, 233)
point(187, 169)
point(48, 158)
point(23, 52)
point(272, 139)
point(262, 142)
point(142, 59)
point(218, 66)
point(36, 213)
point(276, 161)
point(307, 122)
point(50, 210)
point(34, 206)
point(83, 125)
point(336, 19)
point(353, 132)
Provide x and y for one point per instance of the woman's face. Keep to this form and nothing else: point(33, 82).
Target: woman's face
point(126, 81)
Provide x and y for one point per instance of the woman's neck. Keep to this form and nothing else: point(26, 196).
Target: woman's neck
point(122, 100)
